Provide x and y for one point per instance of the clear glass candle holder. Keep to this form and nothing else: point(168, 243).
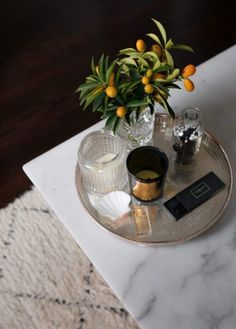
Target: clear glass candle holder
point(101, 159)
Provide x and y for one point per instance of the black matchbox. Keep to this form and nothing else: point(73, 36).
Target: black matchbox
point(194, 195)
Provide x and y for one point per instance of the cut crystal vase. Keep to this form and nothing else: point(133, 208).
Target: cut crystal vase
point(140, 131)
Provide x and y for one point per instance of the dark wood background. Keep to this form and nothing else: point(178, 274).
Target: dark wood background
point(46, 49)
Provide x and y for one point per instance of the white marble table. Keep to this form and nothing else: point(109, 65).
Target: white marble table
point(192, 285)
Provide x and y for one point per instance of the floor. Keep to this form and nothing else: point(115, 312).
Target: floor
point(46, 49)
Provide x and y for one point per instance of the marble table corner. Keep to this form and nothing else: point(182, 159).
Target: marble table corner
point(191, 285)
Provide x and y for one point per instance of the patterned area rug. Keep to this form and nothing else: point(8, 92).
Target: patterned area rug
point(46, 281)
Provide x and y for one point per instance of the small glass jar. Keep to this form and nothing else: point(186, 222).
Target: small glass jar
point(187, 131)
point(101, 159)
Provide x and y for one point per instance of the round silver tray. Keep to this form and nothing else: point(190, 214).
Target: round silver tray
point(151, 223)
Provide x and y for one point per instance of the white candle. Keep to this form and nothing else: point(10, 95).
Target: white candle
point(106, 158)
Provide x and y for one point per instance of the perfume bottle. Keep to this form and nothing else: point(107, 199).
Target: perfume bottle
point(188, 131)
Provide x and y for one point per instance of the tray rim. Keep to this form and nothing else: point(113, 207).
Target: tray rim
point(177, 241)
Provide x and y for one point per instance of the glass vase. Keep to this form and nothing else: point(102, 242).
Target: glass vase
point(140, 131)
point(187, 132)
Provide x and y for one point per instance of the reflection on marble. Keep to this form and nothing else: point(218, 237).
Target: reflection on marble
point(189, 286)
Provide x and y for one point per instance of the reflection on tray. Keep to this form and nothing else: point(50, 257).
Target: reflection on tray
point(141, 218)
point(144, 218)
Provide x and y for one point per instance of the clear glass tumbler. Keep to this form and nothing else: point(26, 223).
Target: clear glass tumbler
point(101, 159)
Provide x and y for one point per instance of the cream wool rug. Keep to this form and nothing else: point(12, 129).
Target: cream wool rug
point(46, 281)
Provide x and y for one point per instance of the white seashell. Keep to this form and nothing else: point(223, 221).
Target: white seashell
point(114, 204)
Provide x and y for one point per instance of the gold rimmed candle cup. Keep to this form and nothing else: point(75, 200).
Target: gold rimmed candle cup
point(147, 167)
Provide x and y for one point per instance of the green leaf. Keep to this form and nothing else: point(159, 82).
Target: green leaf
point(169, 58)
point(158, 85)
point(137, 113)
point(172, 86)
point(93, 67)
point(128, 86)
point(89, 97)
point(88, 101)
point(164, 68)
point(108, 114)
point(150, 100)
point(110, 70)
point(169, 44)
point(84, 93)
point(132, 53)
point(85, 86)
point(106, 101)
point(154, 37)
point(127, 50)
point(134, 75)
point(98, 101)
point(173, 75)
point(119, 100)
point(157, 65)
point(152, 55)
point(110, 120)
point(92, 87)
point(118, 75)
point(92, 78)
point(116, 124)
point(128, 60)
point(140, 58)
point(125, 68)
point(127, 118)
point(182, 47)
point(106, 64)
point(100, 109)
point(111, 108)
point(102, 67)
point(161, 29)
point(137, 103)
point(151, 108)
point(167, 106)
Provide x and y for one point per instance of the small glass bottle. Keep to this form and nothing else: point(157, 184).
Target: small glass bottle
point(187, 131)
